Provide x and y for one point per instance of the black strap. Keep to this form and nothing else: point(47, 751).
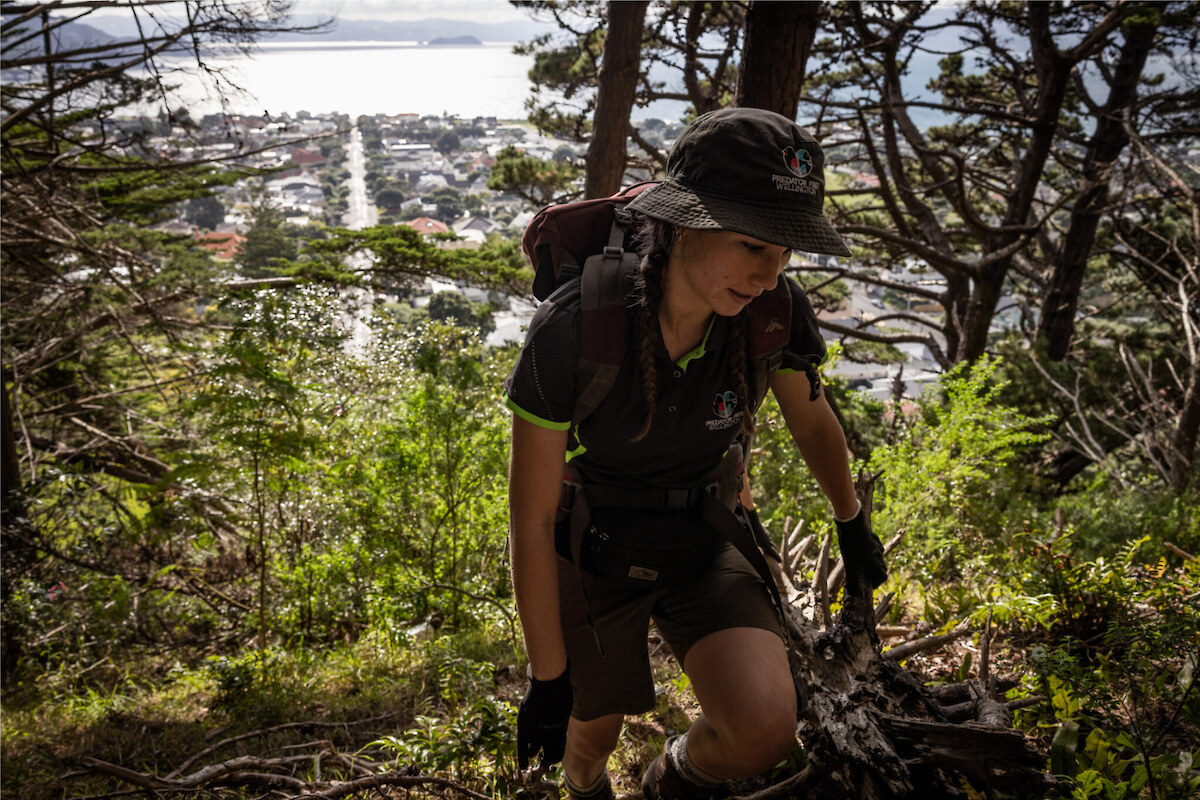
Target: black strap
point(646, 499)
point(737, 528)
point(604, 320)
point(581, 517)
point(730, 525)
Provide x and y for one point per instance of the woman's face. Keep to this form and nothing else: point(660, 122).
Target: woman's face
point(723, 270)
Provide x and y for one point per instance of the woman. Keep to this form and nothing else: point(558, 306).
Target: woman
point(744, 189)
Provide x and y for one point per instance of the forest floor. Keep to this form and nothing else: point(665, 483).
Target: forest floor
point(424, 710)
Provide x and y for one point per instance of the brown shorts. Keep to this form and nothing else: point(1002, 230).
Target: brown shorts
point(729, 594)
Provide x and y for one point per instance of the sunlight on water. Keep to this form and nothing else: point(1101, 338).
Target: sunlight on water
point(370, 78)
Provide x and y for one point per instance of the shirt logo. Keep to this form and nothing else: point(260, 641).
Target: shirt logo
point(774, 325)
point(724, 405)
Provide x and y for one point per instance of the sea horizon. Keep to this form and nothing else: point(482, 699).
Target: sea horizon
point(368, 78)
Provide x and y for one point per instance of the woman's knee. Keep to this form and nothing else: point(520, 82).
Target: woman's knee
point(594, 740)
point(762, 734)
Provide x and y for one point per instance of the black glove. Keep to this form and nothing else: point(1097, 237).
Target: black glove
point(542, 720)
point(862, 552)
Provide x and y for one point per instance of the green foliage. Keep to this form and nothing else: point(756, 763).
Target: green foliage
point(478, 742)
point(449, 202)
point(864, 352)
point(390, 197)
point(261, 403)
point(1126, 709)
point(448, 142)
point(205, 213)
point(539, 181)
point(268, 247)
point(943, 479)
point(400, 254)
point(454, 307)
point(445, 456)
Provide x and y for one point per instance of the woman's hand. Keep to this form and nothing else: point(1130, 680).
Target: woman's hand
point(542, 720)
point(862, 553)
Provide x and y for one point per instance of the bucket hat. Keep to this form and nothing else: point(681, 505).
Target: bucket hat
point(751, 171)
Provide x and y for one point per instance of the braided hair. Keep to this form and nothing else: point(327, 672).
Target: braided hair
point(655, 239)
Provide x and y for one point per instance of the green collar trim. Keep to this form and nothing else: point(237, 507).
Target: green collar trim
point(699, 350)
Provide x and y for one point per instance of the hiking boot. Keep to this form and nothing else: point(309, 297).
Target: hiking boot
point(663, 782)
point(602, 791)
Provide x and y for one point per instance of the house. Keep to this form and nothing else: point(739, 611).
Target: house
point(428, 226)
point(291, 182)
point(522, 220)
point(430, 183)
point(481, 224)
point(222, 246)
point(306, 158)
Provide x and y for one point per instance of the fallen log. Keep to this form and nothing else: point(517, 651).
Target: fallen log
point(873, 731)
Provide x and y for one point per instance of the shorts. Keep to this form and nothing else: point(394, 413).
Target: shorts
point(729, 594)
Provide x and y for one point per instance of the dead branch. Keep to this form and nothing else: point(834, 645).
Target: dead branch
point(821, 584)
point(266, 732)
point(881, 609)
point(405, 781)
point(985, 650)
point(907, 649)
point(253, 771)
point(1186, 556)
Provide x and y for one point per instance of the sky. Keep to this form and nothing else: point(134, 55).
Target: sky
point(487, 11)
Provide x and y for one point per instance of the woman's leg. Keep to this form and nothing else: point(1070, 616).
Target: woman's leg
point(589, 744)
point(745, 688)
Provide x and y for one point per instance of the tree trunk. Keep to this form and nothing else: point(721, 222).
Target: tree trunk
point(11, 501)
point(779, 37)
point(1183, 443)
point(1110, 140)
point(614, 97)
point(14, 545)
point(1054, 70)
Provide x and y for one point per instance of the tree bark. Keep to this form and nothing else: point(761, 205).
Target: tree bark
point(1183, 443)
point(779, 37)
point(17, 553)
point(1110, 140)
point(614, 97)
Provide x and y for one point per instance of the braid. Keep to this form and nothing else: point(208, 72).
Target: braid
point(737, 363)
point(655, 238)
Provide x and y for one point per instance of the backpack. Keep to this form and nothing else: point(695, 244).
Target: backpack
point(592, 240)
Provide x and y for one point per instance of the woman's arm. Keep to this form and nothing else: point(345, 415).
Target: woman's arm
point(534, 488)
point(818, 434)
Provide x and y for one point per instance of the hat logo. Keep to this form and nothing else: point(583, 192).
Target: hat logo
point(798, 161)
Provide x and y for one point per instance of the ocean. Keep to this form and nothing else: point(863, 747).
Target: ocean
point(368, 78)
point(358, 78)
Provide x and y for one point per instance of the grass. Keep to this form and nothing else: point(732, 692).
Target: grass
point(152, 714)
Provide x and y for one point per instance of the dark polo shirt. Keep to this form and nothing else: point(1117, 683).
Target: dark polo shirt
point(698, 412)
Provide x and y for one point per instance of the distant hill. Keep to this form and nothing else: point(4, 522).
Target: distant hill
point(425, 30)
point(72, 36)
point(364, 30)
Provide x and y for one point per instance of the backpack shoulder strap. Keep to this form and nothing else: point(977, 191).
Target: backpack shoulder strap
point(603, 319)
point(770, 329)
